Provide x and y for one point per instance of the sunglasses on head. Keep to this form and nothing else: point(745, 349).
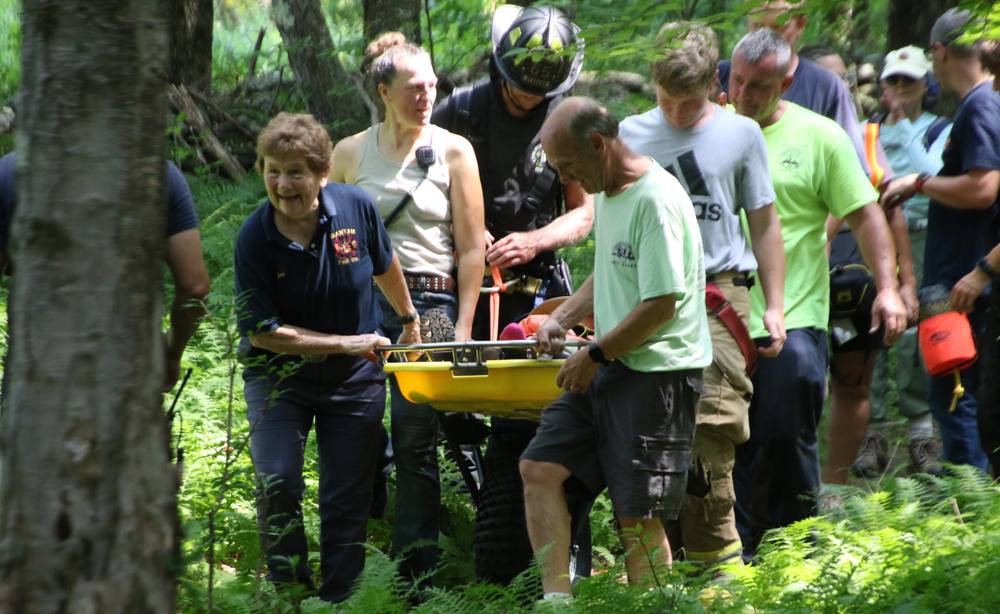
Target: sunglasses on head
point(899, 80)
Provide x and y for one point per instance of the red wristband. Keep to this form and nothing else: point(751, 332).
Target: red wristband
point(921, 180)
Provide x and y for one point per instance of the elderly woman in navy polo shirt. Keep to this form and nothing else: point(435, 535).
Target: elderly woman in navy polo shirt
point(305, 261)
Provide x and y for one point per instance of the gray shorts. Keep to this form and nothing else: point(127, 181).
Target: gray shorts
point(630, 432)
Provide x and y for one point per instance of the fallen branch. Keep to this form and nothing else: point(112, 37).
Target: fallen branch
point(373, 110)
point(181, 101)
point(629, 81)
point(250, 136)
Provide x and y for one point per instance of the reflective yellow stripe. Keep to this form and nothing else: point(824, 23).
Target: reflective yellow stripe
point(871, 143)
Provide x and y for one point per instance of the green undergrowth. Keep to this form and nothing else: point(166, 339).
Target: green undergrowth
point(901, 551)
point(919, 545)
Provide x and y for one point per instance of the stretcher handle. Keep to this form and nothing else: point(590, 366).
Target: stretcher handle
point(469, 345)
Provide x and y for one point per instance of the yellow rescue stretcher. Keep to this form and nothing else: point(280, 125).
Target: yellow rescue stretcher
point(466, 382)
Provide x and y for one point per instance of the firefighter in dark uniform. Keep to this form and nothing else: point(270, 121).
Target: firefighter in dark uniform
point(529, 213)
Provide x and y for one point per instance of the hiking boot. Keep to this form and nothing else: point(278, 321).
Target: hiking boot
point(925, 456)
point(873, 458)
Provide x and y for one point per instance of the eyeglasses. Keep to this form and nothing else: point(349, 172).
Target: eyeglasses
point(929, 51)
point(899, 80)
point(850, 79)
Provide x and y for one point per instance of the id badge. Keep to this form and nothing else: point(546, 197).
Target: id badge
point(843, 330)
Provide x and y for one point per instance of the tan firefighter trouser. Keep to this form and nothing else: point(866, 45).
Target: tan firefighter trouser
point(706, 526)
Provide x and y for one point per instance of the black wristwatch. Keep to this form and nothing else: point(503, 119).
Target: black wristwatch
point(407, 319)
point(597, 354)
point(985, 266)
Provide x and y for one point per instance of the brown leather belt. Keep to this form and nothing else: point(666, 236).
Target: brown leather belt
point(429, 283)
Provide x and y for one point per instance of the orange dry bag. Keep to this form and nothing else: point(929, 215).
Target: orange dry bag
point(947, 344)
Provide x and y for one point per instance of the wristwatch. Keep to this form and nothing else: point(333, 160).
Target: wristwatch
point(597, 354)
point(409, 319)
point(985, 266)
point(921, 179)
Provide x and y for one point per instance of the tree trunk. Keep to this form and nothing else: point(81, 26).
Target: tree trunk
point(910, 22)
point(189, 23)
point(332, 96)
point(392, 16)
point(87, 504)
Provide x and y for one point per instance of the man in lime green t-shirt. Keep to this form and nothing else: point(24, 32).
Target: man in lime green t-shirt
point(626, 420)
point(816, 173)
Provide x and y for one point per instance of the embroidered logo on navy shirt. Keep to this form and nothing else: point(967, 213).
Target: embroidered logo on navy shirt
point(622, 255)
point(345, 245)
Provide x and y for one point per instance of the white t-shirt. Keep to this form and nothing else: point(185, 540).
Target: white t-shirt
point(722, 166)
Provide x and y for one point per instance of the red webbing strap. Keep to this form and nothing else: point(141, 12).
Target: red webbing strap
point(499, 287)
point(723, 309)
point(871, 152)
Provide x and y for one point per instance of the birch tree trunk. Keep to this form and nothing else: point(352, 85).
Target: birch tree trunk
point(87, 505)
point(332, 96)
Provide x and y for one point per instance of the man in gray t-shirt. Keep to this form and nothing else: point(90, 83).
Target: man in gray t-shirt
point(721, 160)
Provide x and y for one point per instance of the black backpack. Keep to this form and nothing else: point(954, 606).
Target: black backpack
point(470, 118)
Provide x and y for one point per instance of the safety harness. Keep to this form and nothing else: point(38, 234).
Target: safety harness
point(470, 119)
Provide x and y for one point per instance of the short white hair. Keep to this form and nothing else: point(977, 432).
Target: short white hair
point(761, 44)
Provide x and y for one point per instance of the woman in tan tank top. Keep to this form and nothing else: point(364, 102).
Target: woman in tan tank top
point(440, 227)
point(431, 233)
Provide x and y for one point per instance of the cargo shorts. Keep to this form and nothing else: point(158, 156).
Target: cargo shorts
point(630, 432)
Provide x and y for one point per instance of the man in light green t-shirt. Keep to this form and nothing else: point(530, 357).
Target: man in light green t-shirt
point(816, 173)
point(626, 420)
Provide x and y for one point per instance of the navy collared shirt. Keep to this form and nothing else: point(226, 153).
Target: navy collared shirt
point(957, 238)
point(325, 286)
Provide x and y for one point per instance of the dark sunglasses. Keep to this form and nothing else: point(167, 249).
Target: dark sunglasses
point(899, 80)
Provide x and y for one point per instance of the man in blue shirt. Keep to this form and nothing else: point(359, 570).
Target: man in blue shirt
point(184, 257)
point(963, 212)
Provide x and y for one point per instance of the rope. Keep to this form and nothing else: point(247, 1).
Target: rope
point(498, 287)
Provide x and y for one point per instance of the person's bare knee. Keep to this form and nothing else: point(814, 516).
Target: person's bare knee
point(852, 374)
point(542, 474)
point(850, 394)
